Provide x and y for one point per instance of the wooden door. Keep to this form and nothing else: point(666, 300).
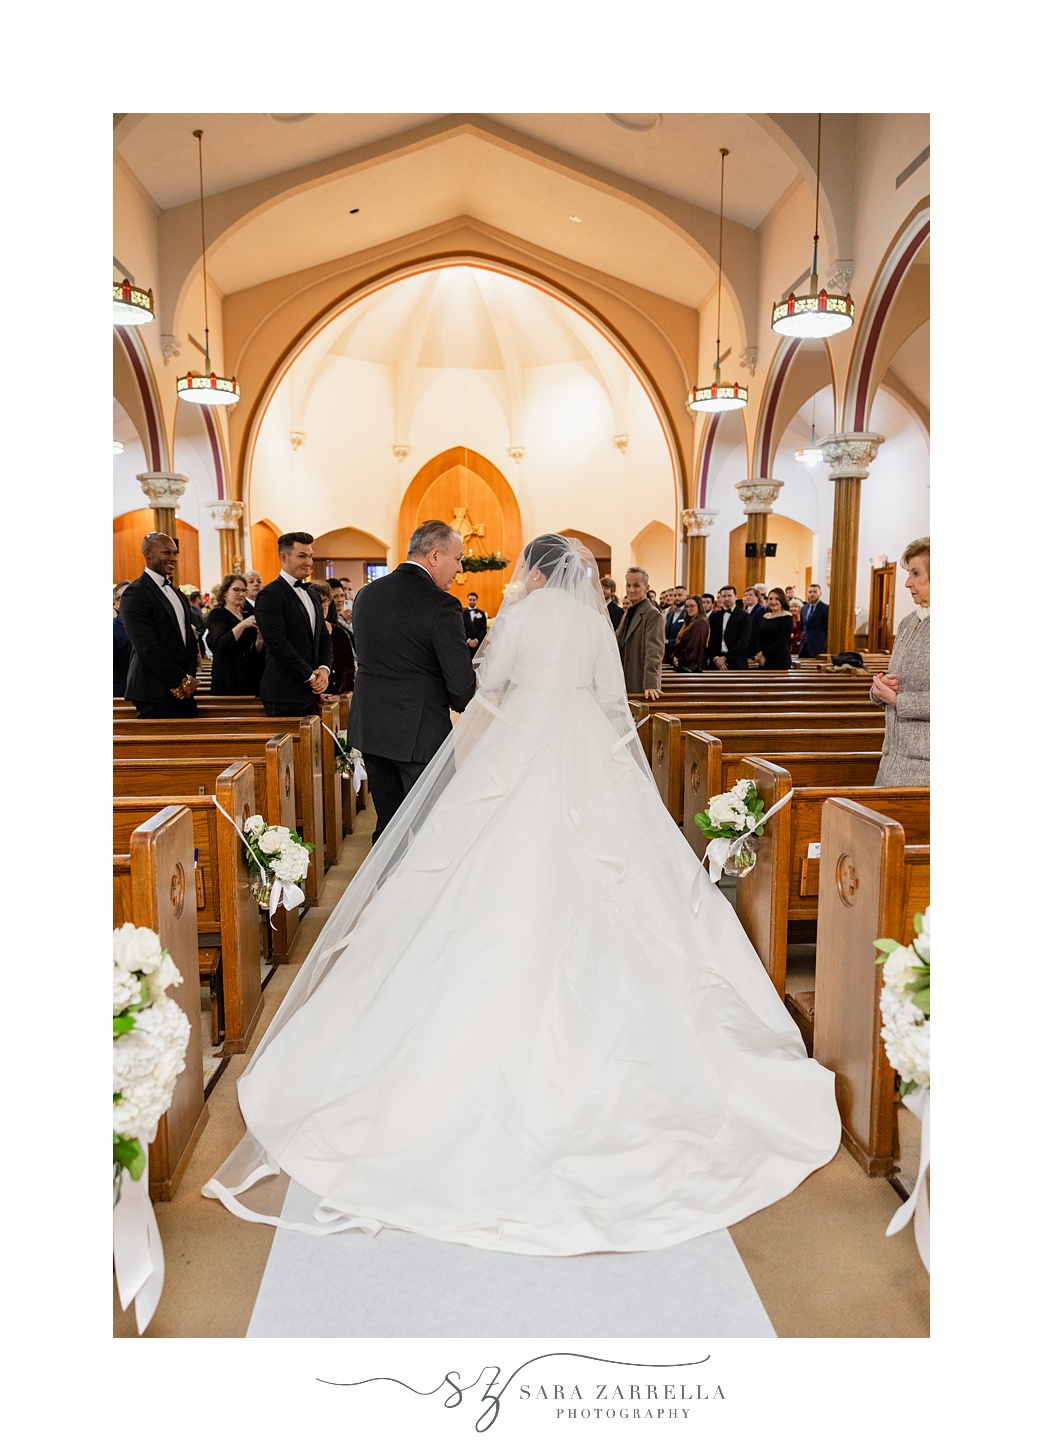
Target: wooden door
point(882, 608)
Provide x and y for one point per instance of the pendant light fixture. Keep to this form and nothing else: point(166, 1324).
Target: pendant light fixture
point(718, 397)
point(812, 454)
point(132, 306)
point(816, 313)
point(207, 386)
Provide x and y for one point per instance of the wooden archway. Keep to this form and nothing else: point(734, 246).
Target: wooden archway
point(264, 549)
point(128, 530)
point(460, 478)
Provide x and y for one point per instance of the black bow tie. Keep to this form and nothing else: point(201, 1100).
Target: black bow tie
point(300, 584)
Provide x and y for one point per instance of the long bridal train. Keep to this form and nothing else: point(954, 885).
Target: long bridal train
point(532, 1024)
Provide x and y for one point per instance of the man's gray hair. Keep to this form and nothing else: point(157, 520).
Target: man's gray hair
point(432, 534)
point(636, 569)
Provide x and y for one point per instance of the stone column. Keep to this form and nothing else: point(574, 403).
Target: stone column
point(163, 492)
point(848, 456)
point(227, 516)
point(757, 497)
point(697, 523)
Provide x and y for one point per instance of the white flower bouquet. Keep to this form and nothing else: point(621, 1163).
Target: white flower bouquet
point(905, 1005)
point(279, 858)
point(150, 1034)
point(733, 814)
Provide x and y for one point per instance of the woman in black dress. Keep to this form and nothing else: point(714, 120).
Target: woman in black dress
point(776, 629)
point(689, 655)
point(234, 641)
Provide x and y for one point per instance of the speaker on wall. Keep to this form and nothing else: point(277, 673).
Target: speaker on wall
point(751, 551)
point(769, 551)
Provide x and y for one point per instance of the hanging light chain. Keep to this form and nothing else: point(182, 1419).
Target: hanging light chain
point(720, 257)
point(202, 232)
point(818, 173)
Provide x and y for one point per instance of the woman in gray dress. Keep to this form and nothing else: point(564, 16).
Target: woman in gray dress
point(905, 693)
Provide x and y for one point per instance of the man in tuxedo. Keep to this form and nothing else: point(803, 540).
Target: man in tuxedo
point(413, 666)
point(641, 639)
point(476, 623)
point(254, 585)
point(814, 619)
point(729, 633)
point(298, 655)
point(161, 676)
point(673, 618)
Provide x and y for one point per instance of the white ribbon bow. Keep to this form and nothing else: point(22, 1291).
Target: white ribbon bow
point(719, 848)
point(918, 1207)
point(137, 1249)
point(358, 770)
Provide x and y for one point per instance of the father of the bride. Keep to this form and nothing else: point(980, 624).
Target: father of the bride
point(413, 664)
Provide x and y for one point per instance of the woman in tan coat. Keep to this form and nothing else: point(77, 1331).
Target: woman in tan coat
point(905, 693)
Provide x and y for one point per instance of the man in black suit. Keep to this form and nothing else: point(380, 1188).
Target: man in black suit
point(673, 618)
point(729, 633)
point(476, 623)
point(161, 676)
point(298, 655)
point(413, 666)
point(814, 618)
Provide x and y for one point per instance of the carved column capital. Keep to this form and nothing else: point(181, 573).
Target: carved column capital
point(748, 360)
point(758, 495)
point(698, 522)
point(163, 491)
point(297, 437)
point(401, 451)
point(621, 441)
point(848, 455)
point(838, 278)
point(225, 513)
point(169, 346)
point(516, 452)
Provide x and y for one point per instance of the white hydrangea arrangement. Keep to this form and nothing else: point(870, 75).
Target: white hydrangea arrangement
point(349, 759)
point(736, 812)
point(905, 1005)
point(280, 851)
point(150, 1035)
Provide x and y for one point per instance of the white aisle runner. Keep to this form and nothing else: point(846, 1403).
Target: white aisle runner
point(399, 1284)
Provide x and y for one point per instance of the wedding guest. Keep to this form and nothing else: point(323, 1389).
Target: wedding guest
point(476, 624)
point(161, 676)
point(709, 604)
point(754, 600)
point(298, 654)
point(729, 632)
point(795, 607)
point(691, 645)
point(641, 639)
point(651, 597)
point(615, 609)
point(121, 646)
point(815, 619)
point(254, 585)
point(234, 640)
point(342, 679)
point(905, 691)
point(673, 619)
point(776, 627)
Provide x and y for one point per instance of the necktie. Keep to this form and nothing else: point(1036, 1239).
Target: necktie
point(177, 611)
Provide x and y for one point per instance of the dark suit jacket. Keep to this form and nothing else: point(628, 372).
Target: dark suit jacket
point(475, 629)
point(159, 659)
point(642, 639)
point(121, 653)
point(292, 650)
point(736, 637)
point(412, 665)
point(814, 620)
point(755, 615)
point(673, 622)
point(615, 613)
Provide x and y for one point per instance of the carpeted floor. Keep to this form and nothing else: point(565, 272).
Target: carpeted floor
point(819, 1260)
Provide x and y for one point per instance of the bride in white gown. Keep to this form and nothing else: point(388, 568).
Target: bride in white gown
point(532, 1023)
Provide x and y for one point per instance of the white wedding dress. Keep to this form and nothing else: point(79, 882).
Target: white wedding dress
point(536, 1026)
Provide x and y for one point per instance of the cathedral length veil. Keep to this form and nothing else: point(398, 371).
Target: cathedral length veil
point(531, 1023)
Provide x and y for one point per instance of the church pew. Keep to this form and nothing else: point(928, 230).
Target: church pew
point(272, 763)
point(874, 884)
point(211, 738)
point(224, 904)
point(711, 763)
point(158, 882)
point(783, 887)
point(234, 707)
point(667, 759)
